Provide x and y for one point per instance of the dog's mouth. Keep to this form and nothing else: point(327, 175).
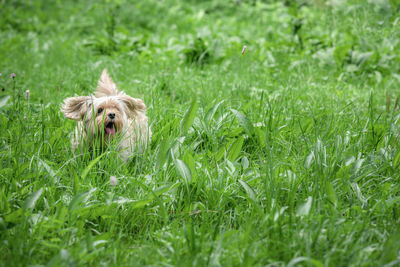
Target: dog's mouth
point(110, 128)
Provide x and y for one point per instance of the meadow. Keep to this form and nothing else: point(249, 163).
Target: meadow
point(275, 133)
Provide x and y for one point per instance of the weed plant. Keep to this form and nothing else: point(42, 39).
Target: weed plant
point(284, 155)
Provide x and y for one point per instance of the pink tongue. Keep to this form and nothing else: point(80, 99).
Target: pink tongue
point(110, 130)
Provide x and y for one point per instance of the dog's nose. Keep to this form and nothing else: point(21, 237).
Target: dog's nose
point(111, 115)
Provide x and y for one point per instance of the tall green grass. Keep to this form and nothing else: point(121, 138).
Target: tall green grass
point(285, 155)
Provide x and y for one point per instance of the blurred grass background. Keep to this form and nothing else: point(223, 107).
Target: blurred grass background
point(286, 154)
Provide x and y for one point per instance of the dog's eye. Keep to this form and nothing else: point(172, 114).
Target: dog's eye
point(100, 110)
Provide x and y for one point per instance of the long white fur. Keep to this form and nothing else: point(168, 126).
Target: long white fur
point(135, 132)
point(106, 86)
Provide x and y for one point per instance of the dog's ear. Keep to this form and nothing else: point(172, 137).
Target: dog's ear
point(75, 108)
point(133, 105)
point(106, 86)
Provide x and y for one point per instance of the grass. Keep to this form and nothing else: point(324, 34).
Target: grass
point(287, 154)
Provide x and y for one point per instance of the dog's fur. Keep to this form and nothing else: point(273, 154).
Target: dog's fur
point(110, 115)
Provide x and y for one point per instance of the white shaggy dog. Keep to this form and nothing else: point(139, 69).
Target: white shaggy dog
point(108, 116)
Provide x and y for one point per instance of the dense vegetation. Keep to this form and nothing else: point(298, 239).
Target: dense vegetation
point(284, 154)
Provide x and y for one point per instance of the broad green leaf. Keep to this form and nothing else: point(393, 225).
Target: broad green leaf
point(49, 245)
point(47, 167)
point(164, 189)
point(162, 153)
point(248, 189)
point(77, 200)
point(330, 192)
point(154, 195)
point(183, 170)
point(244, 122)
point(95, 210)
point(230, 167)
point(14, 217)
point(260, 135)
point(358, 165)
point(90, 166)
point(191, 163)
point(211, 112)
point(309, 160)
point(361, 57)
point(80, 198)
point(358, 193)
point(349, 160)
point(378, 76)
point(245, 163)
point(396, 160)
point(304, 209)
point(188, 119)
point(141, 203)
point(30, 202)
point(352, 68)
point(235, 149)
point(4, 100)
point(221, 152)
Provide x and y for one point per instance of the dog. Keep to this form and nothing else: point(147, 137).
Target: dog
point(109, 117)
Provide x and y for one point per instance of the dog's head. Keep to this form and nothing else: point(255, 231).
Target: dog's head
point(107, 113)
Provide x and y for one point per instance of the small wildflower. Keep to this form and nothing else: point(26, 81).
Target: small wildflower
point(113, 180)
point(25, 117)
point(244, 49)
point(12, 75)
point(27, 94)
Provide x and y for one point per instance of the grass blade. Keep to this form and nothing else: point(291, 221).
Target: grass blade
point(331, 194)
point(30, 202)
point(90, 166)
point(183, 170)
point(78, 199)
point(304, 209)
point(188, 119)
point(244, 122)
point(4, 100)
point(236, 148)
point(248, 189)
point(211, 112)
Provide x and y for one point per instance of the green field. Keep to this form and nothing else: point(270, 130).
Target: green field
point(285, 155)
